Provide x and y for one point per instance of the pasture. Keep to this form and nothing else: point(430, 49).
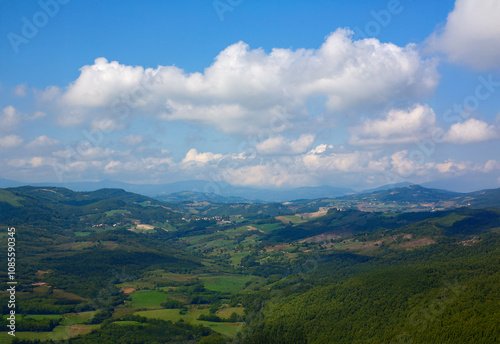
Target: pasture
point(147, 298)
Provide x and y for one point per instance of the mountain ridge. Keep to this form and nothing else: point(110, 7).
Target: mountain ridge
point(200, 186)
point(200, 190)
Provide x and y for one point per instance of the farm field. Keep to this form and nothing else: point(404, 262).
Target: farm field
point(229, 329)
point(147, 298)
point(71, 325)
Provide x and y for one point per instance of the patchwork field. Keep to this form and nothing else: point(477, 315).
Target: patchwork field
point(72, 324)
point(229, 329)
point(148, 298)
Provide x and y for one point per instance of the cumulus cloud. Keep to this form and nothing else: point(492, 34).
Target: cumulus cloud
point(194, 157)
point(9, 118)
point(315, 167)
point(279, 145)
point(37, 161)
point(42, 141)
point(471, 35)
point(451, 166)
point(404, 165)
point(245, 89)
point(320, 149)
point(489, 166)
point(10, 141)
point(103, 83)
point(399, 126)
point(357, 161)
point(472, 130)
point(151, 163)
point(112, 166)
point(319, 165)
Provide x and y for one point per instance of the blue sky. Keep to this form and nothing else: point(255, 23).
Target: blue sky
point(255, 93)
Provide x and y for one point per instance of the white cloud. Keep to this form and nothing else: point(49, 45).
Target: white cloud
point(42, 141)
point(404, 165)
point(10, 141)
point(322, 164)
point(323, 159)
point(471, 35)
point(279, 145)
point(112, 166)
point(245, 90)
point(470, 131)
point(37, 161)
point(399, 126)
point(451, 166)
point(490, 166)
point(405, 168)
point(194, 157)
point(152, 163)
point(316, 167)
point(20, 90)
point(320, 149)
point(9, 118)
point(102, 83)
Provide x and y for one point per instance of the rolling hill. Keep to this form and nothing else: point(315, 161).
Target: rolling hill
point(421, 198)
point(295, 272)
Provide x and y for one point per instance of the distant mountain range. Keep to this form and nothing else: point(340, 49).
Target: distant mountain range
point(199, 187)
point(411, 193)
point(387, 187)
point(196, 197)
point(421, 198)
point(220, 192)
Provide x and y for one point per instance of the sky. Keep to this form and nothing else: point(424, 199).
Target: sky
point(261, 93)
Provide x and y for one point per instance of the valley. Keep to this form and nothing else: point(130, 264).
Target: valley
point(110, 263)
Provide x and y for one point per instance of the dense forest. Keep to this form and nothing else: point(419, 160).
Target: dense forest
point(448, 295)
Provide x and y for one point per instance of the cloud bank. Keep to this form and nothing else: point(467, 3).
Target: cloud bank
point(244, 88)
